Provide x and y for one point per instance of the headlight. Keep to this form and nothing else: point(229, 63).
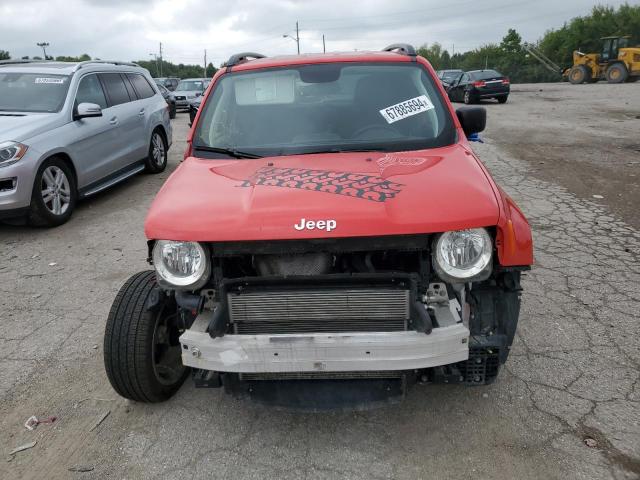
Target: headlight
point(11, 152)
point(183, 265)
point(462, 255)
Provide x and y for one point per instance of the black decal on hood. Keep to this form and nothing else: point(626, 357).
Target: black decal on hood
point(359, 185)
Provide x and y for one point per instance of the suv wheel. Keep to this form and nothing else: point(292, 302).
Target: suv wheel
point(157, 158)
point(142, 354)
point(54, 194)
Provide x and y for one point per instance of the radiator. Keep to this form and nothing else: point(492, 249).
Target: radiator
point(319, 310)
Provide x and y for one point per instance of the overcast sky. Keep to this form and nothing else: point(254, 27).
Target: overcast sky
point(132, 29)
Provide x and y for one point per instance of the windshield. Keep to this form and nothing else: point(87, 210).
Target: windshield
point(451, 74)
point(189, 86)
point(485, 75)
point(325, 107)
point(32, 92)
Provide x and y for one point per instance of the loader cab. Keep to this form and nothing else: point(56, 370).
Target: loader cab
point(610, 47)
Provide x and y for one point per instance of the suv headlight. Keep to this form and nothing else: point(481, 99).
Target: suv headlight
point(11, 152)
point(181, 265)
point(463, 255)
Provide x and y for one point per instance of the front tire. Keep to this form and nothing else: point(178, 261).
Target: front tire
point(54, 194)
point(158, 154)
point(579, 74)
point(142, 355)
point(468, 97)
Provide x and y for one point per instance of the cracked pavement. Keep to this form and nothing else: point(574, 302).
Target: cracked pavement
point(573, 373)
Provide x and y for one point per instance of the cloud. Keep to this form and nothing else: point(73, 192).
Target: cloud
point(132, 29)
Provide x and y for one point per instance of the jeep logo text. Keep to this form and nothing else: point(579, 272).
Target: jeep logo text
point(305, 224)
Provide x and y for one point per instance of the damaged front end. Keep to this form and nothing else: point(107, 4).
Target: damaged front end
point(337, 322)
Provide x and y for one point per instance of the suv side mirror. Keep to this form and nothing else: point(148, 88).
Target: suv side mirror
point(472, 119)
point(87, 110)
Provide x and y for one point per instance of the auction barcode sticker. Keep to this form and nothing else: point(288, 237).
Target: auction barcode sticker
point(405, 109)
point(49, 80)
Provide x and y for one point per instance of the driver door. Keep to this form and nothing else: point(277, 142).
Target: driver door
point(457, 89)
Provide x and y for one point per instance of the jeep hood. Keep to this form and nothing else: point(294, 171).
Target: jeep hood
point(365, 193)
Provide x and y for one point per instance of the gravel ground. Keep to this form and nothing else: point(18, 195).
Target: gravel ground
point(572, 375)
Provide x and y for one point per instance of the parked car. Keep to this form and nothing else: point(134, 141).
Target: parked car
point(170, 83)
point(477, 85)
point(170, 99)
point(330, 238)
point(189, 89)
point(447, 76)
point(194, 105)
point(69, 130)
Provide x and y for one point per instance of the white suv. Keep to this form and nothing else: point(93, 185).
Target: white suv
point(69, 130)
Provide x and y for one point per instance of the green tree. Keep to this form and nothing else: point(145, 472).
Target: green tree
point(82, 58)
point(437, 56)
point(4, 55)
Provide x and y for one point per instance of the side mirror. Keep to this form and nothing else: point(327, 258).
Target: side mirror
point(472, 119)
point(87, 110)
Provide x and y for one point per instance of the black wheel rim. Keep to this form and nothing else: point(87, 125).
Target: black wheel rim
point(166, 358)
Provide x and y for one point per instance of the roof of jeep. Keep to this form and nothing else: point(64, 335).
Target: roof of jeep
point(310, 58)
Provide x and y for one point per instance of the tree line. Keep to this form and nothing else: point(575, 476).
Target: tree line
point(156, 68)
point(508, 56)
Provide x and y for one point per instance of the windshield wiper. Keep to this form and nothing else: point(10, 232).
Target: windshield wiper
point(227, 151)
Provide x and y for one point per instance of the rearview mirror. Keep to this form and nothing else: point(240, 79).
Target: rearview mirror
point(87, 110)
point(472, 119)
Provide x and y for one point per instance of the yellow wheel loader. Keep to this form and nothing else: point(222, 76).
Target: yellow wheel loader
point(616, 63)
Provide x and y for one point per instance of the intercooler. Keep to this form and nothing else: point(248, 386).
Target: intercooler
point(319, 310)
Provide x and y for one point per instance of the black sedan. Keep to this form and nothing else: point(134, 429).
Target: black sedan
point(169, 98)
point(471, 87)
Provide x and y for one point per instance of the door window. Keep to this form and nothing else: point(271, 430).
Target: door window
point(142, 87)
point(90, 91)
point(116, 90)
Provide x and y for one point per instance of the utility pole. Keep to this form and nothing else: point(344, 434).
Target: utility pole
point(160, 58)
point(486, 61)
point(43, 45)
point(324, 48)
point(205, 63)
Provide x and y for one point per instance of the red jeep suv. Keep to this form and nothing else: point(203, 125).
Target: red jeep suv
point(329, 240)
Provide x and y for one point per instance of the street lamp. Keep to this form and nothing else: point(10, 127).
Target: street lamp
point(43, 45)
point(295, 39)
